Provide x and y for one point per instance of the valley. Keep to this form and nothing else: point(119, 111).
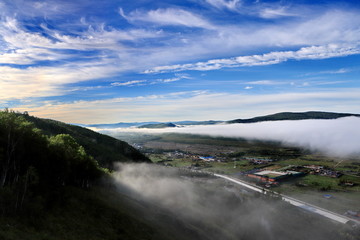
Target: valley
point(60, 180)
point(329, 182)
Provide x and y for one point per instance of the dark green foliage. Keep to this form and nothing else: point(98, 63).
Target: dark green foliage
point(105, 149)
point(33, 165)
point(295, 116)
point(97, 214)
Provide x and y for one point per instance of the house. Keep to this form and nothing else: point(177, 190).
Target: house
point(207, 159)
point(272, 176)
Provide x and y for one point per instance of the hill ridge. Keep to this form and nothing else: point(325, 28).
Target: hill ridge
point(105, 149)
point(281, 116)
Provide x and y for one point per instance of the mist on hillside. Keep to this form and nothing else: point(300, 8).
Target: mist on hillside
point(218, 209)
point(338, 137)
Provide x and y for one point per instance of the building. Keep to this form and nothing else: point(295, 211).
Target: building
point(207, 159)
point(272, 176)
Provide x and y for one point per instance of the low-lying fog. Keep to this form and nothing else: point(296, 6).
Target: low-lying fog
point(339, 137)
point(217, 209)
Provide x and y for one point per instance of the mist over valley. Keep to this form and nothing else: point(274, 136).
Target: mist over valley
point(337, 137)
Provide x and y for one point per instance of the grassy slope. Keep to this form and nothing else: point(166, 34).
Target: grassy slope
point(97, 214)
point(103, 148)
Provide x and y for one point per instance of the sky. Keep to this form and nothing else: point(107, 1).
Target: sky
point(111, 61)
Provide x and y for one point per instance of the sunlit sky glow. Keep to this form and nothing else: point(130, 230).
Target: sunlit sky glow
point(110, 61)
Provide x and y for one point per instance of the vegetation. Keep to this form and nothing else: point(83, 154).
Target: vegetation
point(34, 168)
point(294, 116)
point(103, 148)
point(94, 214)
point(50, 188)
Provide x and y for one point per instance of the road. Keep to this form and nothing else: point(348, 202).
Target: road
point(307, 206)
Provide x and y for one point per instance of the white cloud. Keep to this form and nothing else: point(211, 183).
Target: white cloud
point(340, 137)
point(169, 16)
point(32, 47)
point(266, 82)
point(313, 52)
point(174, 79)
point(229, 4)
point(339, 71)
point(276, 12)
point(21, 83)
point(129, 83)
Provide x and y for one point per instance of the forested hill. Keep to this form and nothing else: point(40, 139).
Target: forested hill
point(103, 148)
point(51, 188)
point(295, 116)
point(158, 125)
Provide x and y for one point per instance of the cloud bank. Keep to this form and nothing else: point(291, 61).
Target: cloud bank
point(339, 137)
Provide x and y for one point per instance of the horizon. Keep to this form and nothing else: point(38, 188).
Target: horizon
point(142, 61)
point(222, 120)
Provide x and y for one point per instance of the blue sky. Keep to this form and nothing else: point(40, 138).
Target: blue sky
point(124, 61)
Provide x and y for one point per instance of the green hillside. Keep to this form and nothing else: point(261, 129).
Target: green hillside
point(103, 148)
point(50, 188)
point(294, 116)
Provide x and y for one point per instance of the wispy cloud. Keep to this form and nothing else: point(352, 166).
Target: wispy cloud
point(144, 82)
point(266, 82)
point(339, 71)
point(228, 4)
point(129, 83)
point(313, 52)
point(276, 12)
point(174, 79)
point(168, 16)
point(43, 81)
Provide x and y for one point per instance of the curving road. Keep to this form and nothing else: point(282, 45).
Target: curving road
point(309, 207)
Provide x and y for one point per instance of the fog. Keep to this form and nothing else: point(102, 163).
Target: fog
point(218, 209)
point(338, 137)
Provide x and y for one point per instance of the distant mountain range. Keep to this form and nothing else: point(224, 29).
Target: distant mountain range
point(118, 125)
point(273, 117)
point(150, 124)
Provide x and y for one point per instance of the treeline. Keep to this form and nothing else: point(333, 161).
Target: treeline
point(105, 149)
point(35, 167)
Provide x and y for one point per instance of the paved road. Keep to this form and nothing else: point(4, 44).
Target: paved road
point(293, 201)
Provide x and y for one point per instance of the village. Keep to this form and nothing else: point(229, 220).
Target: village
point(324, 180)
point(260, 170)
